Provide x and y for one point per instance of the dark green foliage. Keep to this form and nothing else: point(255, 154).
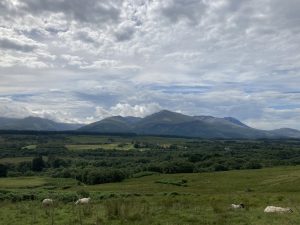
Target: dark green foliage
point(144, 156)
point(83, 193)
point(220, 167)
point(23, 167)
point(100, 176)
point(3, 170)
point(181, 182)
point(55, 162)
point(38, 163)
point(143, 174)
point(253, 165)
point(92, 175)
point(178, 167)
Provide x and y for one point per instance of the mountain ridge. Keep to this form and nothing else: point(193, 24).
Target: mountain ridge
point(35, 124)
point(164, 122)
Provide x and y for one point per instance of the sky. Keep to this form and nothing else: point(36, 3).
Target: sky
point(80, 61)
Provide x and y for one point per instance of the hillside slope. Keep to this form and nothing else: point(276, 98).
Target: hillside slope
point(35, 124)
point(171, 123)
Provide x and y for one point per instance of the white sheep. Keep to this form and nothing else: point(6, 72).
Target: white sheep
point(83, 201)
point(239, 206)
point(274, 209)
point(47, 202)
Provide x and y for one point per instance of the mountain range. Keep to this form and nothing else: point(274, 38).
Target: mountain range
point(176, 124)
point(161, 123)
point(35, 124)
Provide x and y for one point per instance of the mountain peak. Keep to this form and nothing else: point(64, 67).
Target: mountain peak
point(235, 121)
point(167, 116)
point(164, 112)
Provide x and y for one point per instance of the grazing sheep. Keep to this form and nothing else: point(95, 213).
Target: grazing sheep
point(47, 202)
point(239, 206)
point(83, 201)
point(274, 209)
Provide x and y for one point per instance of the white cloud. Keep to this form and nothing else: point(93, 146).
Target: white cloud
point(132, 57)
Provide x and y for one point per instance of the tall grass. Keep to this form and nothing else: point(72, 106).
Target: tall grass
point(126, 209)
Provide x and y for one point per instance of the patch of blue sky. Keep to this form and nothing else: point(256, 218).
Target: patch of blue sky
point(286, 106)
point(21, 97)
point(285, 71)
point(104, 99)
point(170, 89)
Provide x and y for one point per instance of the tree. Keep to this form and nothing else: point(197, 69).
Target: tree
point(38, 163)
point(3, 170)
point(24, 167)
point(253, 165)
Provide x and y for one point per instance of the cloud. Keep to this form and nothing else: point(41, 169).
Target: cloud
point(91, 11)
point(14, 45)
point(125, 31)
point(190, 10)
point(85, 37)
point(135, 110)
point(84, 60)
point(274, 118)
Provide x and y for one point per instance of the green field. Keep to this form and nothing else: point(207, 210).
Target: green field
point(113, 146)
point(34, 182)
point(146, 180)
point(159, 199)
point(15, 159)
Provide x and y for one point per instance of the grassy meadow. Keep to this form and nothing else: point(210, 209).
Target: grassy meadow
point(146, 180)
point(174, 199)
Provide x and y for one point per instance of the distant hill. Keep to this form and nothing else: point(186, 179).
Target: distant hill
point(35, 124)
point(161, 123)
point(171, 123)
point(286, 132)
point(115, 124)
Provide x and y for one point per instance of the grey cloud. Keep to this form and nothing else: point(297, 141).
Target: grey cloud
point(6, 8)
point(286, 11)
point(35, 34)
point(91, 11)
point(14, 45)
point(125, 33)
point(55, 30)
point(192, 10)
point(85, 37)
point(245, 52)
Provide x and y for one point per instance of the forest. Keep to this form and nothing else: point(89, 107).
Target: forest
point(96, 159)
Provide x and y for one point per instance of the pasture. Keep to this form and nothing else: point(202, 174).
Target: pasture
point(105, 146)
point(158, 199)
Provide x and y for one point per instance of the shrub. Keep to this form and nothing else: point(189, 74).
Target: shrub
point(220, 167)
point(143, 174)
point(253, 165)
point(178, 167)
point(3, 170)
point(182, 182)
point(38, 163)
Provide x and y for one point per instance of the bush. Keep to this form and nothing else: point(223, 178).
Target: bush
point(3, 170)
point(105, 176)
point(38, 163)
point(220, 167)
point(182, 182)
point(253, 165)
point(143, 174)
point(178, 167)
point(83, 193)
